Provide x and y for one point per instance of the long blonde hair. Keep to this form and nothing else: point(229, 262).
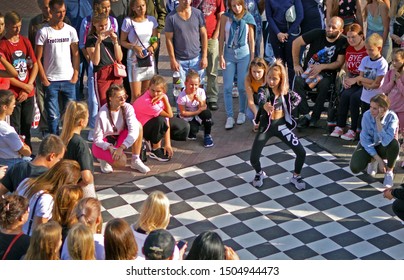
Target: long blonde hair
point(62, 173)
point(75, 112)
point(155, 212)
point(394, 10)
point(44, 242)
point(80, 243)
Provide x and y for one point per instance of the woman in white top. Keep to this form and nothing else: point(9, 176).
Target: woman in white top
point(12, 148)
point(139, 36)
point(116, 129)
point(41, 190)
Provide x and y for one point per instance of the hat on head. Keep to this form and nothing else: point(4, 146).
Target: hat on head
point(159, 245)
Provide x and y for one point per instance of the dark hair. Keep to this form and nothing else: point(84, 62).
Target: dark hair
point(207, 246)
point(12, 18)
point(12, 207)
point(6, 97)
point(112, 90)
point(52, 3)
point(159, 245)
point(119, 241)
point(192, 74)
point(354, 27)
point(51, 144)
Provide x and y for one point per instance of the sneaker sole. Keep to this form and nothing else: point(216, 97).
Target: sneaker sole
point(347, 139)
point(153, 156)
point(144, 171)
point(208, 146)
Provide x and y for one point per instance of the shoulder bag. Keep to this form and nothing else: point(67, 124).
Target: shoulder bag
point(119, 68)
point(145, 61)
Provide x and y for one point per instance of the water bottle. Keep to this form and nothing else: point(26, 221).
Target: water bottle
point(176, 83)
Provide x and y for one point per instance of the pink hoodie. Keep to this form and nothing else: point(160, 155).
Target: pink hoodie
point(394, 90)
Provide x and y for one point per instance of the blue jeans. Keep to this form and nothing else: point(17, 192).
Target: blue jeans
point(249, 114)
point(10, 161)
point(194, 64)
point(67, 90)
point(92, 98)
point(236, 59)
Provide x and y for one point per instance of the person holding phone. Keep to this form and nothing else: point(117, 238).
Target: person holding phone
point(378, 141)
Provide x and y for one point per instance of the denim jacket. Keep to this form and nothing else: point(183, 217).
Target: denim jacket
point(289, 102)
point(370, 137)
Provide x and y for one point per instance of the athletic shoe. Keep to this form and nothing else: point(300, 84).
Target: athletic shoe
point(191, 137)
point(372, 168)
point(229, 123)
point(90, 135)
point(298, 182)
point(138, 165)
point(259, 179)
point(350, 135)
point(105, 167)
point(337, 132)
point(388, 181)
point(208, 141)
point(303, 122)
point(241, 118)
point(159, 155)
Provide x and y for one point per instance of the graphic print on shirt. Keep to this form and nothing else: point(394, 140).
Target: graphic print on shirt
point(370, 73)
point(19, 61)
point(206, 6)
point(323, 56)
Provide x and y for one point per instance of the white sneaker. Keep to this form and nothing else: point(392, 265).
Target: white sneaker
point(138, 165)
point(372, 168)
point(259, 179)
point(337, 132)
point(388, 181)
point(298, 182)
point(105, 167)
point(241, 118)
point(90, 135)
point(229, 123)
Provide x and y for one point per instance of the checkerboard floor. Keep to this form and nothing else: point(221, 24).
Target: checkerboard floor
point(339, 216)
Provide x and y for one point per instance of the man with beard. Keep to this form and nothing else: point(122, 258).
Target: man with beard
point(325, 56)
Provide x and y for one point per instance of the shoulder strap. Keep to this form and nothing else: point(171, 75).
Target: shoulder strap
point(11, 245)
point(112, 20)
point(137, 36)
point(31, 220)
point(88, 26)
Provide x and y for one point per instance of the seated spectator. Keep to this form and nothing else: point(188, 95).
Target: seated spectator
point(12, 147)
point(88, 212)
point(154, 214)
point(153, 111)
point(80, 243)
point(159, 245)
point(377, 141)
point(74, 121)
point(324, 58)
point(66, 199)
point(192, 106)
point(116, 129)
point(396, 14)
point(13, 215)
point(119, 242)
point(41, 190)
point(51, 150)
point(45, 242)
point(209, 246)
point(350, 98)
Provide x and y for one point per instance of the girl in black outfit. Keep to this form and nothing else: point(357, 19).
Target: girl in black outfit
point(275, 119)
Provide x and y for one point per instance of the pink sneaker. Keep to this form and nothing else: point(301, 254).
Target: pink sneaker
point(349, 136)
point(337, 132)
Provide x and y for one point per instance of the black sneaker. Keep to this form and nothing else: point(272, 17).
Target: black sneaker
point(159, 155)
point(303, 122)
point(213, 106)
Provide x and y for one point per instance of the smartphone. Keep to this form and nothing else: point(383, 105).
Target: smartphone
point(145, 52)
point(181, 244)
point(107, 32)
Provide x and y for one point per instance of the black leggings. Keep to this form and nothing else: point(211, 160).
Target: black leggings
point(155, 129)
point(206, 118)
point(279, 129)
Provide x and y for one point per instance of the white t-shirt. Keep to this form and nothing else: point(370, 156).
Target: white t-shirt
point(99, 248)
point(43, 207)
point(144, 30)
point(10, 142)
point(372, 69)
point(57, 59)
point(190, 105)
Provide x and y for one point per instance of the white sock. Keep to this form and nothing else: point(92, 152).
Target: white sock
point(135, 157)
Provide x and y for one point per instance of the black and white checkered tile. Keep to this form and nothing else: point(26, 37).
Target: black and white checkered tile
point(338, 216)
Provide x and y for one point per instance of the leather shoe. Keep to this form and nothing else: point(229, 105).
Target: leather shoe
point(213, 106)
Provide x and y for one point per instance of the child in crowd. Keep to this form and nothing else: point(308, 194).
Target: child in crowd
point(88, 212)
point(80, 242)
point(372, 69)
point(253, 81)
point(192, 106)
point(45, 242)
point(119, 242)
point(275, 119)
point(393, 87)
point(74, 121)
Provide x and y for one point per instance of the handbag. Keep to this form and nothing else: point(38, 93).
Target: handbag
point(290, 14)
point(145, 61)
point(119, 68)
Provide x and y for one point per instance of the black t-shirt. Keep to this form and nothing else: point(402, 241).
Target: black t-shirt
point(19, 248)
point(18, 172)
point(78, 150)
point(105, 59)
point(321, 51)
